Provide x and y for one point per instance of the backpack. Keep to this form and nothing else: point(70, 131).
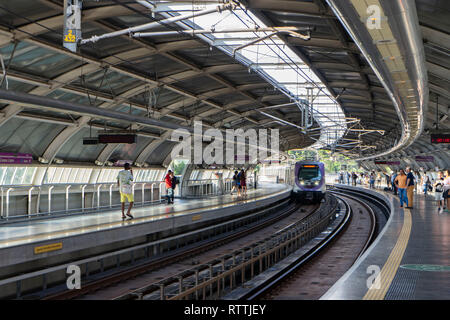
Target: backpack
point(175, 182)
point(439, 187)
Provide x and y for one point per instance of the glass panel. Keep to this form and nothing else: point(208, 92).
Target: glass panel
point(58, 175)
point(87, 175)
point(50, 174)
point(309, 172)
point(138, 176)
point(80, 174)
point(28, 176)
point(65, 175)
point(73, 175)
point(152, 175)
point(100, 176)
point(2, 172)
point(19, 175)
point(9, 175)
point(106, 175)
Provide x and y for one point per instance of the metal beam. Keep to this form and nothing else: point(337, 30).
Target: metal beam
point(56, 22)
point(151, 147)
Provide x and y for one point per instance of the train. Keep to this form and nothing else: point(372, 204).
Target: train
point(309, 185)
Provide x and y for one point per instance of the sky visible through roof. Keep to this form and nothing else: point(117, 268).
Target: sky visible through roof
point(273, 59)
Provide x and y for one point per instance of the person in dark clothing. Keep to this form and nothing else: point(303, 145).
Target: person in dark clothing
point(410, 187)
point(243, 179)
point(354, 177)
point(394, 186)
point(168, 181)
point(236, 184)
point(174, 185)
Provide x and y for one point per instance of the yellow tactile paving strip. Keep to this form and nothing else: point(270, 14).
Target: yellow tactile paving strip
point(385, 277)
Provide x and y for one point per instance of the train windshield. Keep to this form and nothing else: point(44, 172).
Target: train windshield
point(309, 172)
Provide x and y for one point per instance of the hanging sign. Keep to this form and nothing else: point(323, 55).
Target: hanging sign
point(425, 158)
point(15, 158)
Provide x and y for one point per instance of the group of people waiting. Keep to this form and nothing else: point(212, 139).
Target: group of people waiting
point(361, 178)
point(125, 183)
point(405, 184)
point(440, 187)
point(239, 181)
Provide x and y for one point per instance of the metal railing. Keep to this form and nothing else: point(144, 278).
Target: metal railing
point(123, 258)
point(219, 276)
point(72, 191)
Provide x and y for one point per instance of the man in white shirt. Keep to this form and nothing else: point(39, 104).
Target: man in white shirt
point(125, 183)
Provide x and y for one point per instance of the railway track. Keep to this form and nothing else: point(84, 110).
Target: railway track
point(116, 281)
point(313, 273)
point(219, 276)
point(212, 269)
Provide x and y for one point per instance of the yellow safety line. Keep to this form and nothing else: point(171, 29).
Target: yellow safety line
point(384, 279)
point(49, 235)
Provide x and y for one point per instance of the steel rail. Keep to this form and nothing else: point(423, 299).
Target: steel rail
point(274, 281)
point(171, 258)
point(272, 248)
point(262, 289)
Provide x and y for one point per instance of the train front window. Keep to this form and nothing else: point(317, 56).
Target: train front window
point(309, 173)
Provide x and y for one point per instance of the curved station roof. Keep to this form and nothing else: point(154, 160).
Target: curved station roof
point(311, 69)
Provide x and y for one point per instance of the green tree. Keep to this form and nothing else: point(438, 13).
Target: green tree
point(333, 162)
point(178, 166)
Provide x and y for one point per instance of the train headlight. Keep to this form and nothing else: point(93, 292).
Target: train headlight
point(316, 183)
point(302, 183)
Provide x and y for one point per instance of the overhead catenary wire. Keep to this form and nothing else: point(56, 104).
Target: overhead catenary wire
point(192, 26)
point(34, 36)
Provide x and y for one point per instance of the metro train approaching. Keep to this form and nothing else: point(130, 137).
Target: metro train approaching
point(309, 181)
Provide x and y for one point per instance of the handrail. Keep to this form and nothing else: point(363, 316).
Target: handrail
point(202, 187)
point(95, 189)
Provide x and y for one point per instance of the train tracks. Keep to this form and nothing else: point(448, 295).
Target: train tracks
point(215, 268)
point(219, 276)
point(313, 273)
point(109, 286)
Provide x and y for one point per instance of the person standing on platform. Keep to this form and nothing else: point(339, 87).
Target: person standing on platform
point(401, 183)
point(238, 182)
point(379, 176)
point(174, 184)
point(394, 186)
point(425, 181)
point(410, 187)
point(235, 184)
point(168, 181)
point(347, 175)
point(372, 180)
point(446, 194)
point(354, 177)
point(125, 183)
point(341, 177)
point(243, 180)
point(417, 179)
point(438, 188)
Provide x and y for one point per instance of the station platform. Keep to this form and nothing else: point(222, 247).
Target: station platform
point(410, 259)
point(23, 242)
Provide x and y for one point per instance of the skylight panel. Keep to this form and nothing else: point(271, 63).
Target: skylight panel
point(271, 58)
